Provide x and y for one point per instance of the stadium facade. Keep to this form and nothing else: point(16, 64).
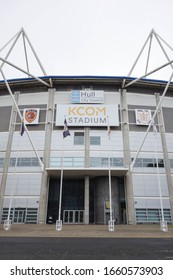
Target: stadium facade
point(140, 193)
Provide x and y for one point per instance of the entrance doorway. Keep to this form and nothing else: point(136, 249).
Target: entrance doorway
point(73, 216)
point(72, 210)
point(19, 216)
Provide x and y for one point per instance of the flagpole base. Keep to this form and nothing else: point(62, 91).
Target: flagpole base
point(58, 225)
point(163, 226)
point(7, 224)
point(111, 226)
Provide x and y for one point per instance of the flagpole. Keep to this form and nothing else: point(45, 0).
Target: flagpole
point(111, 221)
point(65, 134)
point(59, 221)
point(12, 189)
point(163, 223)
point(61, 181)
point(7, 222)
point(110, 189)
point(160, 193)
point(162, 220)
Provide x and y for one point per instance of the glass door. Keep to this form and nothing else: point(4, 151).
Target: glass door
point(19, 216)
point(73, 216)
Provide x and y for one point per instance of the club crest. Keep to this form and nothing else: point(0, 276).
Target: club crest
point(31, 116)
point(143, 116)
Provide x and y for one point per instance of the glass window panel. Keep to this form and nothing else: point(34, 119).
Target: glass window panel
point(95, 140)
point(81, 216)
point(68, 162)
point(138, 162)
point(148, 162)
point(160, 162)
point(104, 161)
point(98, 162)
point(1, 162)
point(24, 162)
point(12, 161)
point(152, 215)
point(55, 162)
point(78, 162)
point(116, 161)
point(95, 161)
point(79, 138)
point(34, 161)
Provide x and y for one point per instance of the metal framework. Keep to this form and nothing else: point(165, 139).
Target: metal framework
point(149, 40)
point(25, 38)
point(4, 61)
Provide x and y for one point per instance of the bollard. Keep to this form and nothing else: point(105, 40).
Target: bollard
point(58, 225)
point(7, 225)
point(111, 225)
point(163, 226)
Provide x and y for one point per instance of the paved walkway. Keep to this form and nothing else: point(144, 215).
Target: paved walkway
point(99, 231)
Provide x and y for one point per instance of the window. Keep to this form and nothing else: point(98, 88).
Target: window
point(67, 162)
point(104, 162)
point(1, 162)
point(94, 140)
point(152, 215)
point(24, 162)
point(12, 161)
point(148, 162)
point(79, 138)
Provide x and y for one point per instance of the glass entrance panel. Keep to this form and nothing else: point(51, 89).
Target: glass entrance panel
point(71, 219)
point(76, 217)
point(81, 216)
point(19, 216)
point(65, 217)
point(73, 216)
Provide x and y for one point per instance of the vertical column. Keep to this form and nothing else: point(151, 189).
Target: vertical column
point(86, 179)
point(86, 201)
point(127, 159)
point(47, 147)
point(8, 151)
point(87, 145)
point(165, 153)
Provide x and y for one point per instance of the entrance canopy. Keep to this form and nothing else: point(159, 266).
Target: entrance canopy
point(81, 172)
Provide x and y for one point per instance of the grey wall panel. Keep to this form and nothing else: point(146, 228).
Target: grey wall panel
point(5, 114)
point(3, 141)
point(168, 119)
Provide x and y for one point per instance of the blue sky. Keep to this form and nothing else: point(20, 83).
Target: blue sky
point(87, 37)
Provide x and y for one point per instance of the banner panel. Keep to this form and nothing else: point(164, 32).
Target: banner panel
point(87, 115)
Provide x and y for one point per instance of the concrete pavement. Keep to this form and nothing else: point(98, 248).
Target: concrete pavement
point(87, 231)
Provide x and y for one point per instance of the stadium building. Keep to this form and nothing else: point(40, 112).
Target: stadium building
point(86, 102)
point(121, 135)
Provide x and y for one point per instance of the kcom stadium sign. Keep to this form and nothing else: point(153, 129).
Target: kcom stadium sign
point(87, 115)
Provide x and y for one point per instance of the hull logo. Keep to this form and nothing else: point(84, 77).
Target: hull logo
point(31, 116)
